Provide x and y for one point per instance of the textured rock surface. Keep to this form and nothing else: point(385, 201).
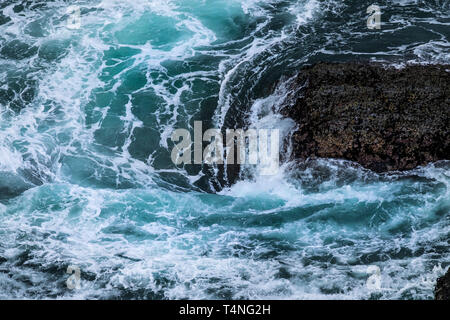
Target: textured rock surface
point(383, 118)
point(442, 291)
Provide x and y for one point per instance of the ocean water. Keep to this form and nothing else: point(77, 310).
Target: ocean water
point(86, 178)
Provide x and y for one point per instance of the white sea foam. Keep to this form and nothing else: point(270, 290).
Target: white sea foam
point(304, 233)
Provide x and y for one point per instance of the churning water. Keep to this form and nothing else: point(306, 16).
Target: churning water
point(86, 177)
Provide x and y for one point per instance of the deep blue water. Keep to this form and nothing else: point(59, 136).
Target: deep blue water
point(86, 177)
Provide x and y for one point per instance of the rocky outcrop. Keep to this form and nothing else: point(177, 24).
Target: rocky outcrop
point(383, 118)
point(442, 290)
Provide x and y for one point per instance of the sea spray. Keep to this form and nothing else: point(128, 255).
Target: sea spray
point(86, 116)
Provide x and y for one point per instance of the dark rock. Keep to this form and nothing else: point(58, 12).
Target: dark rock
point(381, 117)
point(442, 290)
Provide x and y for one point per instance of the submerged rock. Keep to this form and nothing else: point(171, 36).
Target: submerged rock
point(442, 290)
point(383, 118)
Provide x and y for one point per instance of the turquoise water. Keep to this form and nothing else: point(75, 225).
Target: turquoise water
point(86, 177)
